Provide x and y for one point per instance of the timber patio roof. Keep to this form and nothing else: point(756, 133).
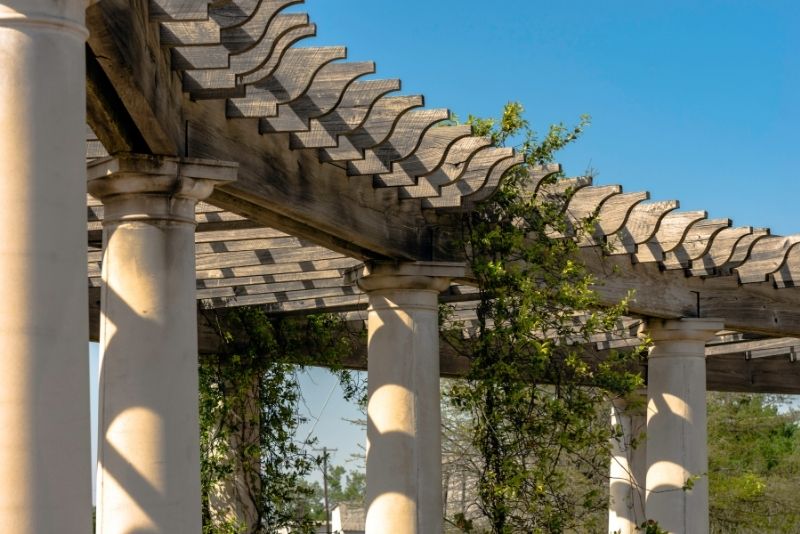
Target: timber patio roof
point(335, 169)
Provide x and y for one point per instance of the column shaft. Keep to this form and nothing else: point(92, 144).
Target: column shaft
point(404, 464)
point(44, 370)
point(404, 461)
point(628, 468)
point(677, 452)
point(149, 448)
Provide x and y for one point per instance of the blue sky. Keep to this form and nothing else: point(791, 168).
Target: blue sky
point(691, 100)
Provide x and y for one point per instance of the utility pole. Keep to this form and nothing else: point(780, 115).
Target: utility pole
point(325, 452)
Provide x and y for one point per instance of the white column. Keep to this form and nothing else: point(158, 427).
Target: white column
point(628, 465)
point(404, 459)
point(677, 453)
point(148, 475)
point(45, 471)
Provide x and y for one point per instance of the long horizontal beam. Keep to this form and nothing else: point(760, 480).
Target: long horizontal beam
point(761, 366)
point(756, 307)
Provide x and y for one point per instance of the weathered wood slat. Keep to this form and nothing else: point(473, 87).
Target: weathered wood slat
point(430, 155)
point(477, 190)
point(231, 13)
point(326, 286)
point(696, 243)
point(586, 202)
point(194, 33)
point(319, 264)
point(720, 251)
point(640, 226)
point(478, 182)
point(356, 104)
point(264, 280)
point(613, 214)
point(742, 250)
point(789, 273)
point(290, 81)
point(671, 232)
point(243, 23)
point(376, 128)
point(178, 10)
point(404, 140)
point(252, 65)
point(766, 257)
point(477, 169)
point(270, 244)
point(321, 297)
point(240, 50)
point(262, 257)
point(321, 98)
point(455, 164)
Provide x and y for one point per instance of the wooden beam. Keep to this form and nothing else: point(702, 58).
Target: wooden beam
point(126, 46)
point(756, 307)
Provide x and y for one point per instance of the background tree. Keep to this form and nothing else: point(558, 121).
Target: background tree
point(754, 464)
point(343, 487)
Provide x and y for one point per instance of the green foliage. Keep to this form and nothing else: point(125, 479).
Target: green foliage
point(343, 487)
point(252, 467)
point(531, 395)
point(651, 527)
point(754, 462)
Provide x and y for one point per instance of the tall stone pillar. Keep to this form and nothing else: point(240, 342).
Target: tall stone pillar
point(404, 460)
point(148, 475)
point(677, 449)
point(45, 470)
point(628, 468)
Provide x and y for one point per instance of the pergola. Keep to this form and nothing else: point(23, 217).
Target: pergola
point(228, 166)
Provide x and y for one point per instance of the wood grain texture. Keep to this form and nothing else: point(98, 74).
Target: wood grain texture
point(240, 50)
point(429, 156)
point(475, 175)
point(358, 100)
point(454, 166)
point(766, 256)
point(128, 51)
point(641, 225)
point(290, 81)
point(322, 97)
point(404, 140)
point(380, 123)
point(613, 215)
point(671, 232)
point(720, 250)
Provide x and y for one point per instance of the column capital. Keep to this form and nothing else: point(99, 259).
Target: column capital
point(412, 275)
point(686, 329)
point(142, 187)
point(65, 15)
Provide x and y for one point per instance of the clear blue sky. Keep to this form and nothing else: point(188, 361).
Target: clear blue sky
point(691, 100)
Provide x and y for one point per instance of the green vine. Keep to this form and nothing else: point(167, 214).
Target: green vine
point(535, 400)
point(252, 466)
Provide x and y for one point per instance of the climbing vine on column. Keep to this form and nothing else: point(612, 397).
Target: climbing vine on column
point(532, 397)
point(252, 465)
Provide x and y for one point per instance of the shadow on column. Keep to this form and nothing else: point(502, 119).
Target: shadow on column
point(168, 490)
